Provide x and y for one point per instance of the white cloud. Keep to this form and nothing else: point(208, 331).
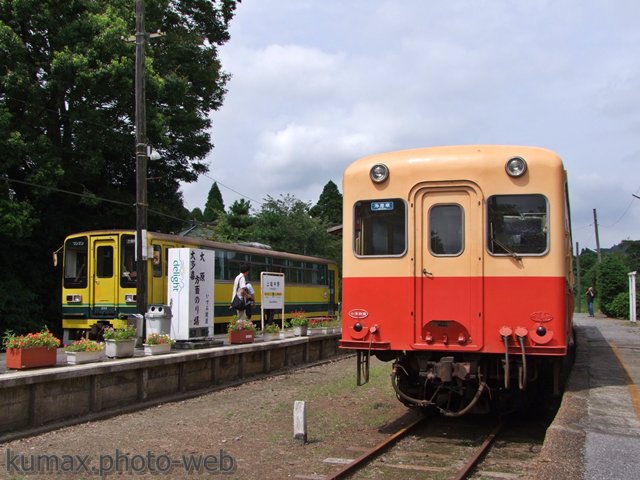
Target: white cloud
point(318, 84)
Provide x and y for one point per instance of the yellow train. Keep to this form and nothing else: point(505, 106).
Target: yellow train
point(99, 278)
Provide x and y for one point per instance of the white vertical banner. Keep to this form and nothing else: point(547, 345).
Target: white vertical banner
point(632, 296)
point(272, 293)
point(190, 292)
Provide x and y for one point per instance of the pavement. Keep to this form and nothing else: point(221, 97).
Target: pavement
point(596, 433)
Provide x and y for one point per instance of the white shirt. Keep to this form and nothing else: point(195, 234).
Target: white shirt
point(238, 284)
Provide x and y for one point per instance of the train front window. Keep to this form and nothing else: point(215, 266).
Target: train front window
point(446, 225)
point(75, 262)
point(517, 225)
point(104, 261)
point(380, 228)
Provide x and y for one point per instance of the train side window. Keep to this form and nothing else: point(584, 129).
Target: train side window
point(517, 224)
point(104, 262)
point(75, 262)
point(446, 227)
point(380, 228)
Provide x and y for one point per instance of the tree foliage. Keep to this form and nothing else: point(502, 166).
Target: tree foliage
point(66, 122)
point(329, 206)
point(611, 279)
point(214, 207)
point(286, 224)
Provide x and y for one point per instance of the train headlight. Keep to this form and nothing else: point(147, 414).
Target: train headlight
point(379, 173)
point(74, 298)
point(130, 298)
point(516, 166)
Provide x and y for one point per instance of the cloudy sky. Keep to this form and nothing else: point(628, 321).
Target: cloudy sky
point(317, 84)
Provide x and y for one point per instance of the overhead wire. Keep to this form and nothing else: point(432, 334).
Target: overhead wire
point(96, 124)
point(95, 197)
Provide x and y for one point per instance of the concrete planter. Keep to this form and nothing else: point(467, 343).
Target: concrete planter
point(157, 349)
point(76, 358)
point(120, 348)
point(300, 331)
point(318, 331)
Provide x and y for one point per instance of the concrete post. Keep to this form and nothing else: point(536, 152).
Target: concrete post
point(300, 421)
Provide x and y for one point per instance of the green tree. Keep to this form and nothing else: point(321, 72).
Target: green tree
point(329, 206)
point(611, 279)
point(66, 124)
point(214, 207)
point(197, 215)
point(236, 224)
point(286, 224)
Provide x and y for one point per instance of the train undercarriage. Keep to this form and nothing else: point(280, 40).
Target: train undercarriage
point(456, 385)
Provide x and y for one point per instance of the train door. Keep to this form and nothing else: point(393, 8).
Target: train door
point(158, 288)
point(332, 291)
point(449, 260)
point(103, 278)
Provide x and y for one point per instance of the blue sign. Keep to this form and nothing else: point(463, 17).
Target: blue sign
point(381, 206)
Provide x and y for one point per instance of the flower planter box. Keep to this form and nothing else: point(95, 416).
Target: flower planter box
point(270, 336)
point(120, 348)
point(318, 331)
point(157, 349)
point(76, 358)
point(241, 336)
point(21, 358)
point(300, 331)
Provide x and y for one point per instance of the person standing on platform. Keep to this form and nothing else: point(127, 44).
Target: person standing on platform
point(590, 296)
point(239, 295)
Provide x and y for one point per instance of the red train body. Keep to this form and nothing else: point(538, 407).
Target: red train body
point(457, 265)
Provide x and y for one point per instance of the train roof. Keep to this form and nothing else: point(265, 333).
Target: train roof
point(485, 156)
point(211, 244)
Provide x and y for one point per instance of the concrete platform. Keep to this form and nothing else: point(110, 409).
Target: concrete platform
point(36, 400)
point(596, 433)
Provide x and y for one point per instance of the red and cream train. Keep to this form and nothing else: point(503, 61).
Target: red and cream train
point(457, 266)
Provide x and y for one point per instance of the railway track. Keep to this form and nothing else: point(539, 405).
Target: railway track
point(443, 448)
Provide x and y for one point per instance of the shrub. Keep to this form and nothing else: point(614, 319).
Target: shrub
point(612, 279)
point(619, 307)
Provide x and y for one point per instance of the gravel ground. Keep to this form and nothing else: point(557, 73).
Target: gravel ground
point(249, 427)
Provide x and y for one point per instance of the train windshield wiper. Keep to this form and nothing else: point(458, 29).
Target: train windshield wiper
point(501, 245)
point(506, 249)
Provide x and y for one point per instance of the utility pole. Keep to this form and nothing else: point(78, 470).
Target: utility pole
point(141, 164)
point(595, 224)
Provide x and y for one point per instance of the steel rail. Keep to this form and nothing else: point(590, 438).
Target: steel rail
point(478, 452)
point(375, 450)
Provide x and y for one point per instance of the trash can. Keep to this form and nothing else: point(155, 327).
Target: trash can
point(136, 320)
point(158, 319)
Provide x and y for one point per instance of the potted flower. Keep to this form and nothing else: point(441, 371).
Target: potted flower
point(157, 343)
point(120, 342)
point(317, 326)
point(241, 331)
point(84, 351)
point(271, 332)
point(30, 350)
point(299, 323)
